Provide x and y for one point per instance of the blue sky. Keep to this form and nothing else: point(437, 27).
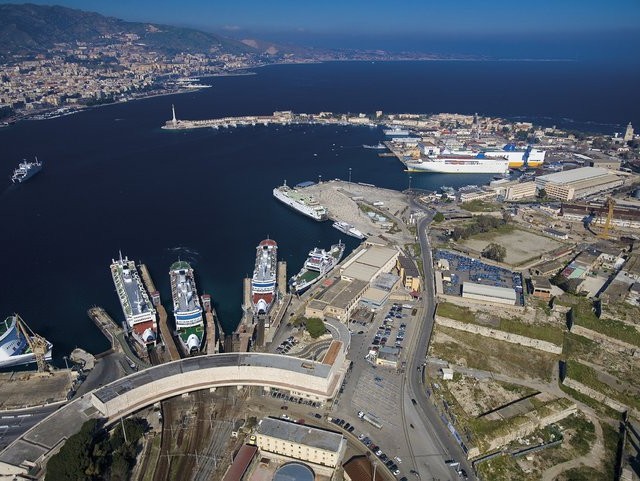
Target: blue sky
point(377, 23)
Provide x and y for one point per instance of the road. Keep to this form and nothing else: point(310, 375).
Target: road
point(414, 388)
point(16, 422)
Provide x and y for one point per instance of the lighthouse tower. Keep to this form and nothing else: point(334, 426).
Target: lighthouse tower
point(174, 121)
point(628, 134)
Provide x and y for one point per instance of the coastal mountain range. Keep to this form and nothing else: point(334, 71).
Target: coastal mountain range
point(28, 29)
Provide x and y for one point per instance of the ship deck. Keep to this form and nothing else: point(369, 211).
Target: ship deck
point(187, 331)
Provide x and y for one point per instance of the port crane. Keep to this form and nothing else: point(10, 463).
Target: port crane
point(37, 344)
point(610, 204)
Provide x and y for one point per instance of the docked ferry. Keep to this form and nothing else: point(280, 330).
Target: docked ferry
point(518, 158)
point(318, 265)
point(139, 312)
point(263, 282)
point(460, 162)
point(15, 348)
point(300, 201)
point(186, 307)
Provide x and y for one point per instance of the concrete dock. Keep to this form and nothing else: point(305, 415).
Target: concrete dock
point(165, 331)
point(116, 335)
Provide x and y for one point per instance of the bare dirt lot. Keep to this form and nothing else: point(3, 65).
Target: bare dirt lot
point(521, 245)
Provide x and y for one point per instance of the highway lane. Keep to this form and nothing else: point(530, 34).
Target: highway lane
point(14, 423)
point(414, 386)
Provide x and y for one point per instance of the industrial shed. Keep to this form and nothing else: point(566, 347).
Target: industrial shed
point(481, 292)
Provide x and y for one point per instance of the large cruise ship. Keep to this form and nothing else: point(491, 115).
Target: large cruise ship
point(263, 282)
point(15, 349)
point(297, 199)
point(186, 307)
point(318, 264)
point(460, 162)
point(139, 313)
point(26, 170)
point(518, 158)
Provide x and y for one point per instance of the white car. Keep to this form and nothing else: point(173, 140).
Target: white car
point(398, 460)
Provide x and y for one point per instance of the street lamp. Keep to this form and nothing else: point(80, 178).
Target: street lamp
point(65, 361)
point(409, 182)
point(319, 179)
point(349, 174)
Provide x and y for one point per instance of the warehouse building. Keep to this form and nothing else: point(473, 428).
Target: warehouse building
point(578, 183)
point(338, 300)
point(493, 294)
point(521, 190)
point(369, 263)
point(300, 441)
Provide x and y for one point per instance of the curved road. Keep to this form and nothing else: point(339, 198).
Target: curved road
point(413, 385)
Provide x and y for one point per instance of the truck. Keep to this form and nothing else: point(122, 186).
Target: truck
point(370, 419)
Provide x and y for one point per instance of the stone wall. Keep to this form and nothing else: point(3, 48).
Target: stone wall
point(525, 429)
point(598, 396)
point(610, 342)
point(500, 335)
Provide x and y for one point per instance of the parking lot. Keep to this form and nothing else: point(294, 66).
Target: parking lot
point(468, 269)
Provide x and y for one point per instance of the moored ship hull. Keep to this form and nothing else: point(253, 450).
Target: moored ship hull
point(316, 267)
point(139, 313)
point(297, 200)
point(460, 166)
point(187, 310)
point(263, 281)
point(14, 347)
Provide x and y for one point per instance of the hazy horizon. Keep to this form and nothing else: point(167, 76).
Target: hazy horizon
point(544, 29)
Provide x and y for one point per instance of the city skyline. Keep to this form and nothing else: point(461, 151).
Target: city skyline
point(548, 29)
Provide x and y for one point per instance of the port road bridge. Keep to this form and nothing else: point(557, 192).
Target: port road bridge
point(312, 379)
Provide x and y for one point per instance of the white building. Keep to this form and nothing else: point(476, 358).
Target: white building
point(299, 441)
point(492, 294)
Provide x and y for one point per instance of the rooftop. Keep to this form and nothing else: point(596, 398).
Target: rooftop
point(492, 291)
point(574, 175)
point(301, 434)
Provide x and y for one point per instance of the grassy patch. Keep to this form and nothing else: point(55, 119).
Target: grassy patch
point(488, 354)
point(491, 235)
point(611, 440)
point(503, 468)
point(583, 473)
point(601, 409)
point(480, 206)
point(584, 316)
point(458, 313)
point(589, 377)
point(544, 332)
